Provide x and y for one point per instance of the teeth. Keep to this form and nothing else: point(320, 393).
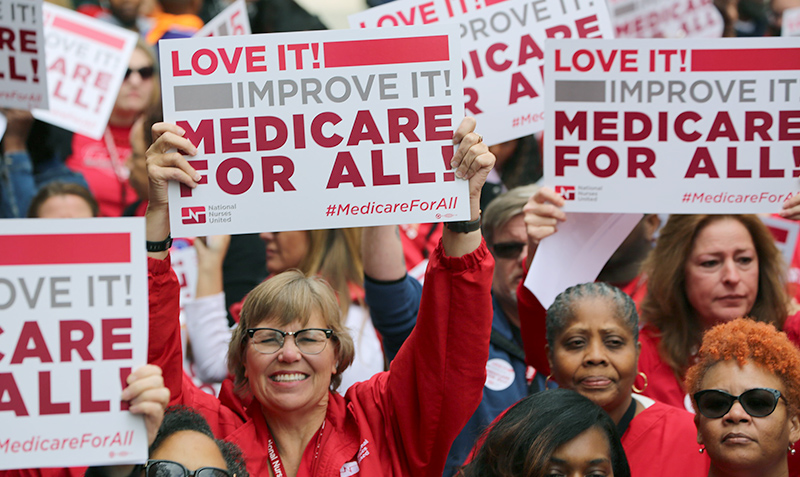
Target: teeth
point(285, 378)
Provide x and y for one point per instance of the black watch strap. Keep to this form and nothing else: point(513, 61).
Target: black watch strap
point(464, 227)
point(161, 246)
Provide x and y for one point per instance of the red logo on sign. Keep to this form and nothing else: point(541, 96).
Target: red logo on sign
point(193, 215)
point(567, 192)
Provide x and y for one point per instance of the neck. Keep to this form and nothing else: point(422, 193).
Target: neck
point(620, 275)
point(778, 469)
point(292, 431)
point(510, 310)
point(122, 118)
point(617, 413)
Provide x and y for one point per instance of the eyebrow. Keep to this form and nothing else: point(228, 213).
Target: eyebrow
point(601, 460)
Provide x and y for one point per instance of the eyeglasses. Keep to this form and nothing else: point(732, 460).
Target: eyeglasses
point(758, 402)
point(146, 72)
point(308, 341)
point(508, 249)
point(168, 468)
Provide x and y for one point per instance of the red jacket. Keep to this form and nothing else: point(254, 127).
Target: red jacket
point(401, 422)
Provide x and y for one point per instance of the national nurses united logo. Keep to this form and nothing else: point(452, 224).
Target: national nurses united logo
point(567, 192)
point(193, 215)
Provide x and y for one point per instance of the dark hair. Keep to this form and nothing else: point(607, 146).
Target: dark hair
point(562, 311)
point(57, 188)
point(182, 418)
point(522, 441)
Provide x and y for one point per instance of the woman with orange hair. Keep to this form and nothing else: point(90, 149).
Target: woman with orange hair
point(745, 388)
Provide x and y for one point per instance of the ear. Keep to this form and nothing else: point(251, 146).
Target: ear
point(335, 367)
point(697, 425)
point(794, 428)
point(651, 224)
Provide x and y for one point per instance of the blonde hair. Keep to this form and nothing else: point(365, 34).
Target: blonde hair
point(286, 298)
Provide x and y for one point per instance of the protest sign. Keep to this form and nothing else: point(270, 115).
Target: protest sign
point(23, 82)
point(231, 21)
point(86, 63)
point(665, 19)
point(502, 48)
point(73, 325)
point(671, 126)
point(790, 22)
point(785, 233)
point(316, 129)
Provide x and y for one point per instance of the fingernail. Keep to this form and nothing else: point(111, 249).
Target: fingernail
point(197, 177)
point(453, 164)
point(459, 174)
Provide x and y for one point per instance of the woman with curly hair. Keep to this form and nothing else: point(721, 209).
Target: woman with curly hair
point(745, 388)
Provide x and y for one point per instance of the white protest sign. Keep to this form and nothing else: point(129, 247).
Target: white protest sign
point(672, 126)
point(86, 63)
point(502, 49)
point(73, 314)
point(665, 19)
point(23, 82)
point(785, 233)
point(790, 22)
point(231, 21)
point(316, 130)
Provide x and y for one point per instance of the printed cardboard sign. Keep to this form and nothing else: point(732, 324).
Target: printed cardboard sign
point(665, 19)
point(671, 126)
point(23, 83)
point(86, 63)
point(790, 22)
point(316, 130)
point(73, 325)
point(502, 49)
point(231, 21)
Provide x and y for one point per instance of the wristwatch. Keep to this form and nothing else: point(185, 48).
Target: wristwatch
point(464, 227)
point(161, 246)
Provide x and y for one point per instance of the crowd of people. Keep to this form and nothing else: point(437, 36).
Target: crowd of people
point(416, 349)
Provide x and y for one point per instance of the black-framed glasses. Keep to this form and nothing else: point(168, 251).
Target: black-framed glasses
point(308, 341)
point(168, 468)
point(508, 249)
point(145, 72)
point(758, 402)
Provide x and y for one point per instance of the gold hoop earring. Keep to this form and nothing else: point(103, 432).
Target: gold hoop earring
point(549, 378)
point(637, 390)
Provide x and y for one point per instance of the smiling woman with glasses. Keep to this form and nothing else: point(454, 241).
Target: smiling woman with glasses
point(745, 387)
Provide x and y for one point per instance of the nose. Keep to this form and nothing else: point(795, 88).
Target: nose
point(267, 236)
point(730, 272)
point(736, 414)
point(289, 352)
point(595, 353)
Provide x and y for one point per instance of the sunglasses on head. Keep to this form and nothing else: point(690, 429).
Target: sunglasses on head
point(168, 468)
point(758, 402)
point(145, 72)
point(508, 249)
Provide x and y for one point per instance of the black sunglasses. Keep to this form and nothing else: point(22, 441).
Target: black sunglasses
point(758, 402)
point(168, 468)
point(146, 72)
point(508, 249)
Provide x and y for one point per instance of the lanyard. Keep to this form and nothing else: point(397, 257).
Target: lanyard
point(275, 460)
point(623, 423)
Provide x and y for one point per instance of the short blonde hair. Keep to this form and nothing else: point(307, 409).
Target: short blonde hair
point(283, 299)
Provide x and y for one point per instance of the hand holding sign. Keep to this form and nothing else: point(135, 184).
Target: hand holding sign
point(472, 161)
point(542, 215)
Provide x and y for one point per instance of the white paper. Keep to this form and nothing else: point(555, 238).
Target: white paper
point(313, 130)
point(86, 63)
point(74, 319)
point(502, 47)
point(673, 126)
point(23, 82)
point(576, 253)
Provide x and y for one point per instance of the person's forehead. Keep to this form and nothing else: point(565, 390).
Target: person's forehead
point(192, 449)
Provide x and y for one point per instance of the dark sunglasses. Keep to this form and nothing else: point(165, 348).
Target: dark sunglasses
point(168, 468)
point(758, 402)
point(146, 72)
point(508, 249)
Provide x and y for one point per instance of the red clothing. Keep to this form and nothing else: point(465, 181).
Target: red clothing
point(399, 423)
point(103, 166)
point(419, 241)
point(662, 384)
point(662, 441)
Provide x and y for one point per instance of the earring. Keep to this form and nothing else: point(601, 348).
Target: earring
point(792, 450)
point(701, 449)
point(548, 379)
point(637, 390)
